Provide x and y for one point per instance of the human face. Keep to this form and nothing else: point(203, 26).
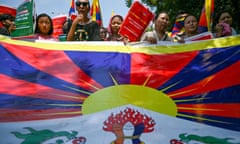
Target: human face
point(191, 24)
point(115, 24)
point(162, 22)
point(10, 25)
point(103, 33)
point(82, 6)
point(225, 17)
point(44, 25)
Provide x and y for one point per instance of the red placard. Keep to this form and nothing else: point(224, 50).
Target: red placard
point(58, 22)
point(8, 10)
point(136, 21)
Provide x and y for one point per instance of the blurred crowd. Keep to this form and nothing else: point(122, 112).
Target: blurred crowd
point(82, 28)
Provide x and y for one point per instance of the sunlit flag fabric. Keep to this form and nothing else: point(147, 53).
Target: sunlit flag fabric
point(95, 12)
point(206, 18)
point(102, 93)
point(71, 13)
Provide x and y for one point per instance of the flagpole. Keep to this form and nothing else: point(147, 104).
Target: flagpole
point(95, 12)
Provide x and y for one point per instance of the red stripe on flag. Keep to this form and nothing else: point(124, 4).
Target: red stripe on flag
point(54, 62)
point(225, 78)
point(23, 88)
point(223, 110)
point(14, 115)
point(159, 68)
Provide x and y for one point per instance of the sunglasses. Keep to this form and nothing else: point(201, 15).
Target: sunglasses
point(78, 3)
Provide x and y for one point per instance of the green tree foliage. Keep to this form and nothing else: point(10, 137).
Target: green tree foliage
point(193, 7)
point(128, 3)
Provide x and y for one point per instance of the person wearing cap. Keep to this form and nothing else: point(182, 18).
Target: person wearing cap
point(7, 24)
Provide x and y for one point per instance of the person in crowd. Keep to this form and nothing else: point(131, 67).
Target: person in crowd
point(66, 26)
point(159, 33)
point(224, 24)
point(65, 29)
point(83, 28)
point(103, 33)
point(114, 27)
point(191, 28)
point(44, 28)
point(7, 24)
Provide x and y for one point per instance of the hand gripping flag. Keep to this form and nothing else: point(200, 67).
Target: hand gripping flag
point(105, 92)
point(95, 12)
point(206, 18)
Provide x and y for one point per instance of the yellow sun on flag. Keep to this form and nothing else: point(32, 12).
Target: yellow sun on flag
point(120, 95)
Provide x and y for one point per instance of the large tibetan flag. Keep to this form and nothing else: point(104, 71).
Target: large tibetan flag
point(206, 18)
point(106, 92)
point(71, 12)
point(95, 12)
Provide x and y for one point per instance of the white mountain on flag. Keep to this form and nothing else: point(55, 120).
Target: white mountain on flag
point(126, 124)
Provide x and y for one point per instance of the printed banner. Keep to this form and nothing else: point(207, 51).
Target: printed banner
point(108, 93)
point(136, 21)
point(25, 19)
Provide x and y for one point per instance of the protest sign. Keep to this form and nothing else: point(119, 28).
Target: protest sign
point(136, 21)
point(25, 19)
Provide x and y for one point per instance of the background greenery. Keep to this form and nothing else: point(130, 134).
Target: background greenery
point(193, 7)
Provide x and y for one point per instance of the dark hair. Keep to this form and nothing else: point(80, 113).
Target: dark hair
point(66, 26)
point(89, 6)
point(6, 17)
point(157, 14)
point(189, 16)
point(78, 2)
point(218, 15)
point(37, 30)
point(119, 16)
point(110, 22)
point(181, 12)
point(103, 28)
